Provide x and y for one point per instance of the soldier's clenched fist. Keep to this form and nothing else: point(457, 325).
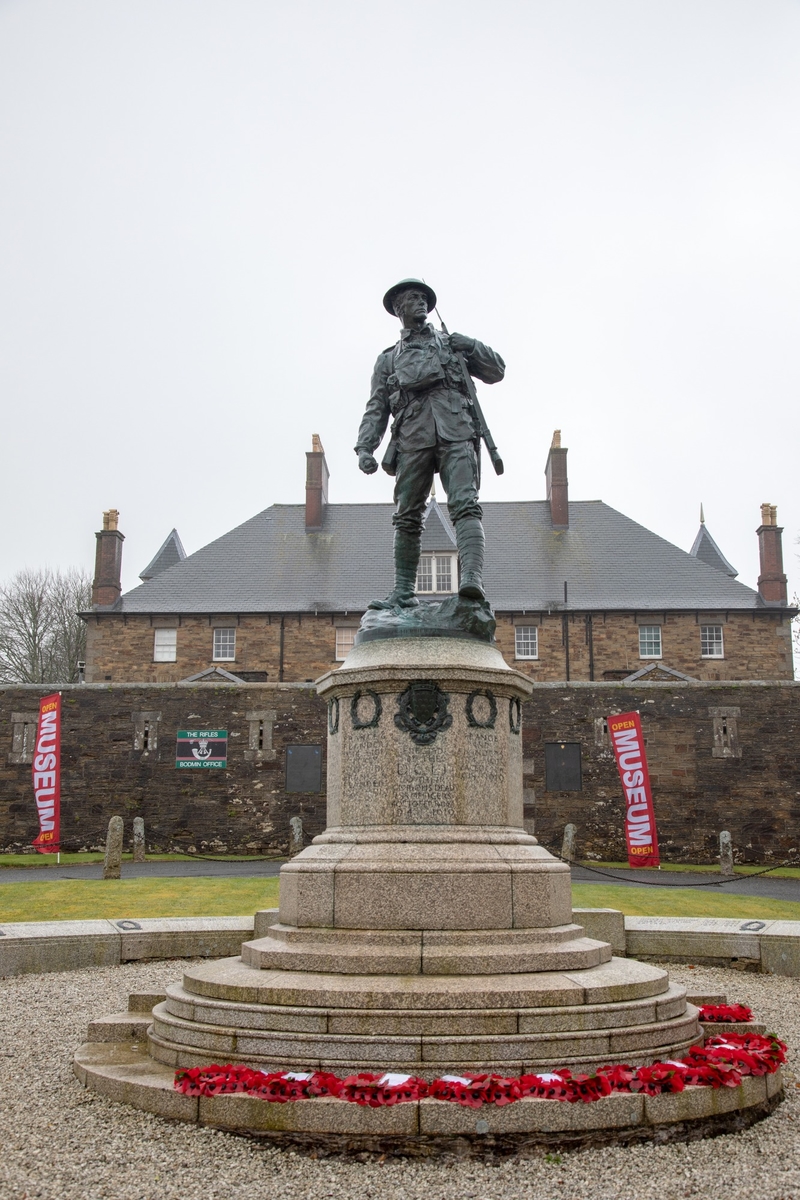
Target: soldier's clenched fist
point(367, 463)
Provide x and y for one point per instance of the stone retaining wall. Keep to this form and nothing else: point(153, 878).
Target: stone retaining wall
point(722, 756)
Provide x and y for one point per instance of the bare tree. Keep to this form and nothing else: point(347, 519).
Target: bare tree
point(41, 635)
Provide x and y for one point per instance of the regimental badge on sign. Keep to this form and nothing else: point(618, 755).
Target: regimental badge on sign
point(202, 748)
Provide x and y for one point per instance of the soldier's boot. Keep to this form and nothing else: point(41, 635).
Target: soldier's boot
point(406, 561)
point(471, 543)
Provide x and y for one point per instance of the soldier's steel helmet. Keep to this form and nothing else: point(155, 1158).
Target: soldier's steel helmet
point(402, 286)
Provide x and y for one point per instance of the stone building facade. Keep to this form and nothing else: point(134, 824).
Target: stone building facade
point(580, 591)
point(721, 756)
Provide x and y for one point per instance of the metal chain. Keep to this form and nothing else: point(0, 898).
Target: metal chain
point(790, 862)
point(100, 837)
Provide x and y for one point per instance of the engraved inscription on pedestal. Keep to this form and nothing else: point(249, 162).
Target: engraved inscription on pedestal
point(426, 789)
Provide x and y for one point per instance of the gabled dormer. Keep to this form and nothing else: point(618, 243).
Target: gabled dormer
point(707, 550)
point(169, 553)
point(438, 564)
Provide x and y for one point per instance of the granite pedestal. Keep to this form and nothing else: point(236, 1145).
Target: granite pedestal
point(424, 931)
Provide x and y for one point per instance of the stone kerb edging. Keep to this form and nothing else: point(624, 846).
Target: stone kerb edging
point(771, 947)
point(127, 1074)
point(35, 947)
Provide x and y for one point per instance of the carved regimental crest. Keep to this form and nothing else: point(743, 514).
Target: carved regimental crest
point(422, 712)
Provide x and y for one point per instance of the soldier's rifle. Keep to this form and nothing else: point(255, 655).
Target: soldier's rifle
point(480, 419)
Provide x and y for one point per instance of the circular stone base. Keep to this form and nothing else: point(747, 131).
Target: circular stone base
point(431, 1127)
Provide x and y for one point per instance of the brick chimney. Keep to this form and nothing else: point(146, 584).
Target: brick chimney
point(107, 583)
point(771, 581)
point(317, 476)
point(557, 483)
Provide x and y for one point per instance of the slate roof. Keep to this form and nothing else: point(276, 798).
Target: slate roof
point(270, 564)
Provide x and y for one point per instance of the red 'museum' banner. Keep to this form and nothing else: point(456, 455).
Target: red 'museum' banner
point(47, 774)
point(625, 730)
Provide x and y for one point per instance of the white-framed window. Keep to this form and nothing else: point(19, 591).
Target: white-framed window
point(526, 641)
point(649, 641)
point(224, 645)
point(165, 645)
point(711, 644)
point(345, 637)
point(437, 573)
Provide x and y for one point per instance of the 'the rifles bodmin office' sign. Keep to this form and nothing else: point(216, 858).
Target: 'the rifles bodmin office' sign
point(202, 748)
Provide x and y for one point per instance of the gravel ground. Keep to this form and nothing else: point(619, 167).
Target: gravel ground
point(59, 1141)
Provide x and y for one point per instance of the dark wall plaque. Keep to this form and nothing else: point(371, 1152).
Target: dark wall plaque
point(304, 768)
point(562, 767)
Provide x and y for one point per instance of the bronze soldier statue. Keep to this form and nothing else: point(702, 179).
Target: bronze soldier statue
point(421, 383)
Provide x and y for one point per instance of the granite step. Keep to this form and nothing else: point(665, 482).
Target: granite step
point(617, 980)
point(425, 955)
point(448, 1052)
point(144, 1001)
point(120, 1027)
point(443, 1022)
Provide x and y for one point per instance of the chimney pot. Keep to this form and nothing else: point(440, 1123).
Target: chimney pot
point(771, 581)
point(107, 582)
point(557, 483)
point(317, 476)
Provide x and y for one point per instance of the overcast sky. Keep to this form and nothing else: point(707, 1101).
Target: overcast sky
point(202, 203)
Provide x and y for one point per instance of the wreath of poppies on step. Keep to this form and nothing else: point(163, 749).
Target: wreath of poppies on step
point(722, 1062)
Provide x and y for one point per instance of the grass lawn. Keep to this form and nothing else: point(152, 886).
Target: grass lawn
point(84, 899)
point(681, 902)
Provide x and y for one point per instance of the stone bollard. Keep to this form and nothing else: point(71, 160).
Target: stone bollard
point(138, 839)
point(568, 844)
point(725, 853)
point(296, 835)
point(113, 860)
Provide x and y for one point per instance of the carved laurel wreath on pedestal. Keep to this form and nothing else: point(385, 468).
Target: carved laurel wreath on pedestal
point(491, 714)
point(422, 712)
point(377, 708)
point(333, 715)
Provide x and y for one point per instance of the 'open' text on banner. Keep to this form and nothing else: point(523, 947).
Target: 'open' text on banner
point(625, 731)
point(47, 774)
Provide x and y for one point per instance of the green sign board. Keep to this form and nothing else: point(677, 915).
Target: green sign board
point(202, 748)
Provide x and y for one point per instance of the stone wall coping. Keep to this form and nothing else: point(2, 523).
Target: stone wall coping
point(35, 947)
point(180, 685)
point(553, 685)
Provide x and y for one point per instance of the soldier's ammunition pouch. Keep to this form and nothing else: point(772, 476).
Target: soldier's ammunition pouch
point(389, 460)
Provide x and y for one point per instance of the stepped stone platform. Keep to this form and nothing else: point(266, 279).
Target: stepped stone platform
point(425, 932)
